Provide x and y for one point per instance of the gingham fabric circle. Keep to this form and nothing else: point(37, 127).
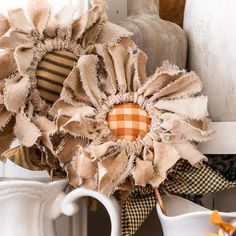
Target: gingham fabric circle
point(128, 121)
point(51, 73)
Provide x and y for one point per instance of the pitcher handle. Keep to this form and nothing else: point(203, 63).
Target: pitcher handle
point(70, 206)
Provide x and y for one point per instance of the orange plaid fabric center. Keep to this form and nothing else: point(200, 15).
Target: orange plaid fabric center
point(128, 121)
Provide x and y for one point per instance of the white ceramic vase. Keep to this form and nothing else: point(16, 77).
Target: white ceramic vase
point(185, 218)
point(210, 26)
point(29, 207)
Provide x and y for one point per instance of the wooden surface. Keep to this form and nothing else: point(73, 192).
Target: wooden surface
point(210, 26)
point(223, 141)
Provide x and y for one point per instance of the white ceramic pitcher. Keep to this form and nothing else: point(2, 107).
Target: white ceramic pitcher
point(29, 207)
point(186, 218)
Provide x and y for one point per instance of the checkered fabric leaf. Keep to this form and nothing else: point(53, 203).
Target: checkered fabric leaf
point(183, 179)
point(136, 209)
point(128, 121)
point(186, 179)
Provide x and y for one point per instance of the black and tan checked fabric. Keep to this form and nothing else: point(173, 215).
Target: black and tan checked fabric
point(186, 179)
point(128, 121)
point(51, 73)
point(136, 209)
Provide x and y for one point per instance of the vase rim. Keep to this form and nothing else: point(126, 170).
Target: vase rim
point(143, 6)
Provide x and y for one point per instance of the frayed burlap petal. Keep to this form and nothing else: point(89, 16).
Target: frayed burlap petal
point(40, 45)
point(172, 100)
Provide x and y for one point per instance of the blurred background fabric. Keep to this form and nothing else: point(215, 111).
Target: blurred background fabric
point(172, 10)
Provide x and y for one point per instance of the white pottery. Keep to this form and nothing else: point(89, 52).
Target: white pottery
point(29, 208)
point(210, 26)
point(70, 206)
point(185, 218)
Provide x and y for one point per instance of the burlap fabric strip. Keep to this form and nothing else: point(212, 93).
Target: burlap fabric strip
point(38, 63)
point(171, 98)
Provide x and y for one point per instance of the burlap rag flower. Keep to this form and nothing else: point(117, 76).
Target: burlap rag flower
point(39, 52)
point(129, 129)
